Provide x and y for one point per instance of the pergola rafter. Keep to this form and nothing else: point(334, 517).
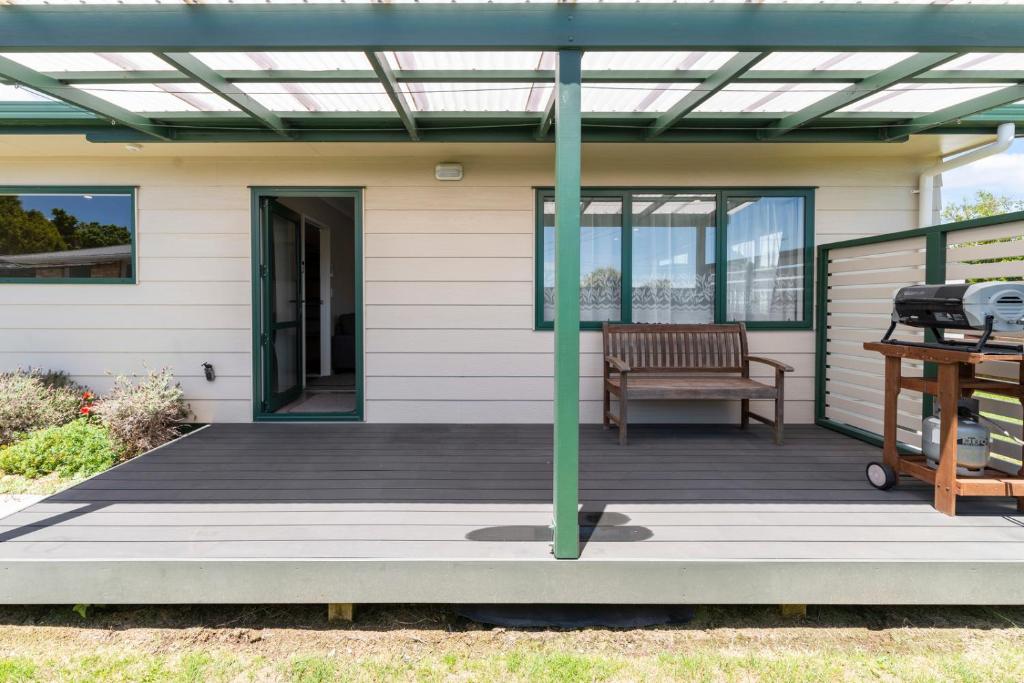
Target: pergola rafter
point(957, 112)
point(869, 86)
point(214, 82)
point(706, 90)
point(22, 75)
point(386, 77)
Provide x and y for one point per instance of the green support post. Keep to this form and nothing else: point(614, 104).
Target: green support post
point(934, 274)
point(568, 138)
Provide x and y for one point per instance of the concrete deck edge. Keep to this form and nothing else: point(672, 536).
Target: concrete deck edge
point(510, 581)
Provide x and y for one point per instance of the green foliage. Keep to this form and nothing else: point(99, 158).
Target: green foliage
point(141, 416)
point(25, 232)
point(983, 205)
point(81, 609)
point(34, 399)
point(28, 232)
point(77, 449)
point(94, 235)
point(603, 277)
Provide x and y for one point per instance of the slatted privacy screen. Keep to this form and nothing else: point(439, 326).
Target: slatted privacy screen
point(993, 253)
point(860, 283)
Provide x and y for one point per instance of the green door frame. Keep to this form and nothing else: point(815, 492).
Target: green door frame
point(568, 138)
point(270, 209)
point(258, 313)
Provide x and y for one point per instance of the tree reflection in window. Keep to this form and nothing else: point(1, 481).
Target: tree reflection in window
point(66, 236)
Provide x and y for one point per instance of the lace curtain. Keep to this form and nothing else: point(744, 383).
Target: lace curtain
point(600, 259)
point(766, 258)
point(674, 258)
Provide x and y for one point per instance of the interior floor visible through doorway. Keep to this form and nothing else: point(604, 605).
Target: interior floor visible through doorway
point(322, 402)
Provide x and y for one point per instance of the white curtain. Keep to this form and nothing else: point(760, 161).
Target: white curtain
point(766, 259)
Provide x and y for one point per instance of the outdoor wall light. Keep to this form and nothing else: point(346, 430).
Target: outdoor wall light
point(209, 372)
point(447, 170)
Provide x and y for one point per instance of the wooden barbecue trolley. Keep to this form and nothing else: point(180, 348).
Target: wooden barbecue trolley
point(956, 378)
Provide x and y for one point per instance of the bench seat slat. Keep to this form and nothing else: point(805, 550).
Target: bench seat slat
point(714, 388)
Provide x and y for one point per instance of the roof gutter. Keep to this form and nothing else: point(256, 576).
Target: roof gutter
point(926, 184)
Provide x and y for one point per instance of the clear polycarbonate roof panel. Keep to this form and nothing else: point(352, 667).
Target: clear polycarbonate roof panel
point(923, 97)
point(632, 97)
point(479, 61)
point(830, 61)
point(490, 97)
point(986, 61)
point(88, 61)
point(293, 61)
point(159, 97)
point(655, 61)
point(327, 97)
point(768, 97)
point(13, 93)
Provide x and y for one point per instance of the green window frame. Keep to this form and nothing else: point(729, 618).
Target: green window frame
point(130, 191)
point(722, 197)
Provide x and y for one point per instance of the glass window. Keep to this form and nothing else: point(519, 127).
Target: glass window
point(600, 259)
point(765, 256)
point(668, 252)
point(59, 236)
point(674, 258)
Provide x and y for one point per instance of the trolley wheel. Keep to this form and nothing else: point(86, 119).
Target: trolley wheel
point(881, 476)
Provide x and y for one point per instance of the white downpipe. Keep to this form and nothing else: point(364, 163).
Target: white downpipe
point(926, 184)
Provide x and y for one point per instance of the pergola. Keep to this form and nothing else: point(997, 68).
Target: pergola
point(566, 73)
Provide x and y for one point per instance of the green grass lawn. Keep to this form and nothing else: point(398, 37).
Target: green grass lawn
point(281, 643)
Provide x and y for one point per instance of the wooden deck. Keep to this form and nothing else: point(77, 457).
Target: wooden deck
point(447, 513)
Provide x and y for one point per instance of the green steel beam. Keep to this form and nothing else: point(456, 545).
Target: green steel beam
point(999, 98)
point(213, 81)
point(28, 117)
point(547, 117)
point(22, 75)
point(528, 76)
point(736, 65)
point(839, 122)
point(568, 138)
point(869, 86)
point(377, 27)
point(387, 79)
point(525, 76)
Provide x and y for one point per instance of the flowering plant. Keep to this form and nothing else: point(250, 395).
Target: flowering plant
point(88, 398)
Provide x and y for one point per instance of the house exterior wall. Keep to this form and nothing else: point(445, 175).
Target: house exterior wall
point(448, 267)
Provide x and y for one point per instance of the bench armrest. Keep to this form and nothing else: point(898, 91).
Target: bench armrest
point(782, 367)
point(617, 363)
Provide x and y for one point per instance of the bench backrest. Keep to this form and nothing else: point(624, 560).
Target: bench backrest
point(665, 348)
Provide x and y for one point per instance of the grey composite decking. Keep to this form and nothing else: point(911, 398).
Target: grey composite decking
point(459, 513)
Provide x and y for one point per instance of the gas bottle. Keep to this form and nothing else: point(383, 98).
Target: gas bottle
point(973, 440)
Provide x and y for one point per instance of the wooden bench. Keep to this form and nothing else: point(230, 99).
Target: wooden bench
point(685, 362)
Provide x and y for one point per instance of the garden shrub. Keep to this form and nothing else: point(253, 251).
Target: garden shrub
point(141, 416)
point(77, 449)
point(34, 399)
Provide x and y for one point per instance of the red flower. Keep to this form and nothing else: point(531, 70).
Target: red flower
point(88, 396)
point(85, 410)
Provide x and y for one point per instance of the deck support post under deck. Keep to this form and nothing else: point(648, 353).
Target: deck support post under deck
point(340, 611)
point(568, 137)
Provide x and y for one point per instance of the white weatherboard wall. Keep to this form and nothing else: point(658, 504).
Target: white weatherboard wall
point(448, 271)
